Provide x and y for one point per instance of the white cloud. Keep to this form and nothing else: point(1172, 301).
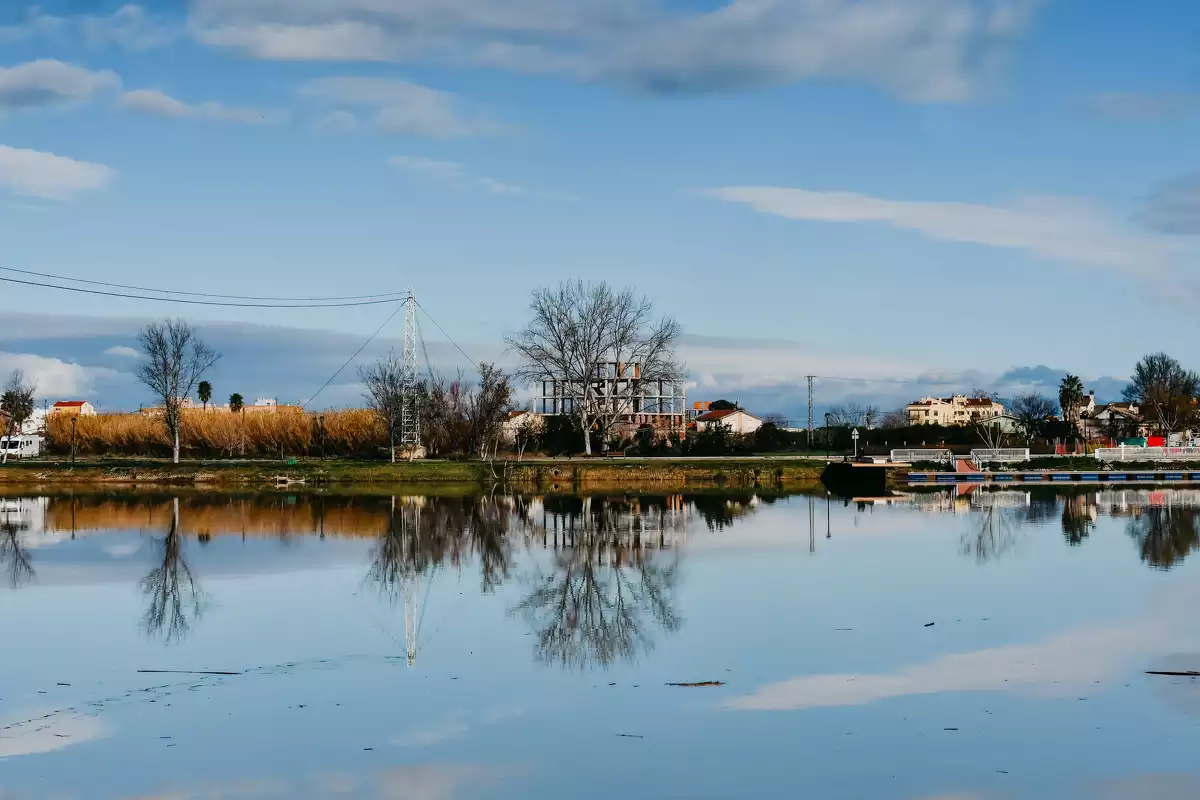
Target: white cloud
point(130, 27)
point(336, 122)
point(449, 170)
point(56, 378)
point(158, 104)
point(49, 82)
point(1060, 229)
point(457, 173)
point(121, 351)
point(1058, 666)
point(1146, 105)
point(36, 174)
point(402, 108)
point(43, 735)
point(924, 50)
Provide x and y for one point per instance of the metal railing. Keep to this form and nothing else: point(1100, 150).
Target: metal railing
point(1001, 455)
point(909, 456)
point(1128, 453)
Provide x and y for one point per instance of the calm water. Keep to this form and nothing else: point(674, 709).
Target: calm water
point(445, 648)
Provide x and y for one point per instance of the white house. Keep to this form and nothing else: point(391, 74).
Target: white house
point(36, 422)
point(737, 420)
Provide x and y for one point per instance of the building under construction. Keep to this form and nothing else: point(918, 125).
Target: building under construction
point(619, 386)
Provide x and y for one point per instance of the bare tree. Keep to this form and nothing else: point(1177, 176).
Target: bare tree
point(1031, 412)
point(577, 331)
point(897, 418)
point(526, 433)
point(488, 408)
point(384, 383)
point(17, 406)
point(175, 360)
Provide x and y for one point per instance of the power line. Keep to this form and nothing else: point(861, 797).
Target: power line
point(81, 290)
point(391, 295)
point(470, 360)
point(351, 358)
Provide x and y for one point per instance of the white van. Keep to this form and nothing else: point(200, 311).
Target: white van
point(24, 445)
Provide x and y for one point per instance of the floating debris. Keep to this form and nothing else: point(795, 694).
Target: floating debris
point(699, 683)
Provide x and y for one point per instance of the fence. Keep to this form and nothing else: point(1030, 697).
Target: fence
point(1001, 455)
point(1125, 453)
point(909, 456)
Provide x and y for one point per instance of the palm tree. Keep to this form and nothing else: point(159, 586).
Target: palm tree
point(205, 392)
point(236, 404)
point(1070, 398)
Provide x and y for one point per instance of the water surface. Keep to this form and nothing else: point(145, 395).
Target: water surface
point(445, 648)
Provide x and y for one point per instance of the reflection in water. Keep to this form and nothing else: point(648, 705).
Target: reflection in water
point(990, 534)
point(1165, 534)
point(175, 598)
point(1078, 518)
point(422, 534)
point(13, 556)
point(608, 588)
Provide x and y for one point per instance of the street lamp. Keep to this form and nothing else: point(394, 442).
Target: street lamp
point(827, 442)
point(74, 419)
point(321, 420)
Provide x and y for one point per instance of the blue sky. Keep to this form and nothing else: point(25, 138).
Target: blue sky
point(809, 186)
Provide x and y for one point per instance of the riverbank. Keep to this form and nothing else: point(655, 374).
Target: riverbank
point(531, 473)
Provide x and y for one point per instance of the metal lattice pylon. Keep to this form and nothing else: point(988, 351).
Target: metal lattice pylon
point(410, 414)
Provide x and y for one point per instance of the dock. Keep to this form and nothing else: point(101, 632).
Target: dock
point(1051, 476)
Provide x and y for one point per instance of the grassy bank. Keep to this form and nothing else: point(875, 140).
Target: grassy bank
point(541, 474)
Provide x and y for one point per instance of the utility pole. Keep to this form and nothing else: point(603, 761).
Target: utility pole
point(810, 410)
point(410, 414)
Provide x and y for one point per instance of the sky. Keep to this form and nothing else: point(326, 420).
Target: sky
point(957, 193)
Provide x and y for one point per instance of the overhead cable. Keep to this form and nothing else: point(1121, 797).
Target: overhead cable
point(388, 296)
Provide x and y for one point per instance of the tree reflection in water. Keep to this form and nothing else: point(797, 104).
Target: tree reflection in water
point(606, 592)
point(176, 600)
point(1077, 518)
point(424, 532)
point(13, 555)
point(1165, 534)
point(990, 534)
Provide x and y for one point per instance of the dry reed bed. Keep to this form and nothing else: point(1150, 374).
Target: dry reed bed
point(352, 432)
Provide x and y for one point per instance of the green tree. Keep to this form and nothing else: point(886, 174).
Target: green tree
point(1070, 398)
point(16, 405)
point(722, 405)
point(1164, 391)
point(204, 389)
point(236, 402)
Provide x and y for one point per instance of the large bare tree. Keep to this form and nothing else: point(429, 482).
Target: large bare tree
point(384, 384)
point(576, 330)
point(175, 358)
point(16, 406)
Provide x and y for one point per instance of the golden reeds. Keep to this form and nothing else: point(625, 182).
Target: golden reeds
point(353, 432)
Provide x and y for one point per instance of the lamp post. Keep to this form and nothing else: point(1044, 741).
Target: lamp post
point(321, 421)
point(827, 434)
point(74, 419)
